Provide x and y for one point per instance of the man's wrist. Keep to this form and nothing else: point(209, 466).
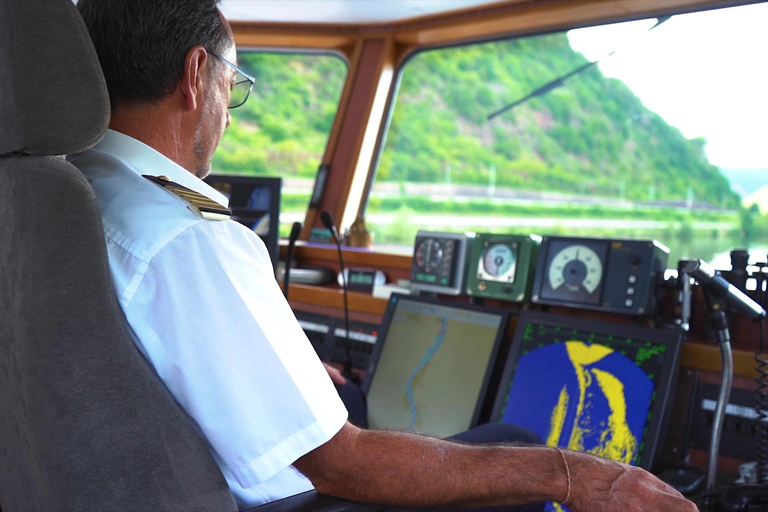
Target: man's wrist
point(550, 474)
point(567, 497)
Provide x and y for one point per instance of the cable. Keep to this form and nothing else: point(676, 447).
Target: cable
point(327, 219)
point(347, 353)
point(295, 230)
point(761, 407)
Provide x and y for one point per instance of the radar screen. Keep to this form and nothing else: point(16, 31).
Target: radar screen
point(589, 386)
point(501, 266)
point(439, 262)
point(604, 274)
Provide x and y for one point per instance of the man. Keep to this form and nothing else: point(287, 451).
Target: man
point(205, 310)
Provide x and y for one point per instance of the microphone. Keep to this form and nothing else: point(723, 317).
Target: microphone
point(327, 220)
point(295, 230)
point(721, 288)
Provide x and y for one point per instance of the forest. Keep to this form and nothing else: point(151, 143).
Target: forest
point(592, 136)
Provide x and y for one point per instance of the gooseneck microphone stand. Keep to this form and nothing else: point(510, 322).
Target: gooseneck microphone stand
point(723, 337)
point(327, 219)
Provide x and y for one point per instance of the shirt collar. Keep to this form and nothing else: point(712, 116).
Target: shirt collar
point(144, 159)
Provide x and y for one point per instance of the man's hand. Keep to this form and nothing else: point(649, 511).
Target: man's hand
point(601, 485)
point(335, 374)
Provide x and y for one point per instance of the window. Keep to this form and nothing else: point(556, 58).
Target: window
point(283, 128)
point(663, 138)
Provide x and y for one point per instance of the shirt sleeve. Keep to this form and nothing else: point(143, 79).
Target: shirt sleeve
point(213, 322)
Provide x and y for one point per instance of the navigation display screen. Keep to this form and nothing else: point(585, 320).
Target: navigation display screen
point(589, 386)
point(430, 369)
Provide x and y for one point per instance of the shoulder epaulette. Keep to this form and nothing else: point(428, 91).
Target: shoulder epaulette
point(200, 204)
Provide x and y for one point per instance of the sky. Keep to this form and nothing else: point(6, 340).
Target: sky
point(705, 73)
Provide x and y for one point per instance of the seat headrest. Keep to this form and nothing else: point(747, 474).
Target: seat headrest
point(53, 97)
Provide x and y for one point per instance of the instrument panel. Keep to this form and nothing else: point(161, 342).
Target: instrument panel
point(439, 261)
point(603, 274)
point(617, 275)
point(574, 271)
point(499, 262)
point(501, 266)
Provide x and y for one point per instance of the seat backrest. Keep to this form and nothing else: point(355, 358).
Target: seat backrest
point(84, 423)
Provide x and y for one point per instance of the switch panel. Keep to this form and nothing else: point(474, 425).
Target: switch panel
point(738, 439)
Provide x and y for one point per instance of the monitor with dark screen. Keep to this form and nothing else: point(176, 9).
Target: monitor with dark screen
point(589, 386)
point(255, 203)
point(430, 368)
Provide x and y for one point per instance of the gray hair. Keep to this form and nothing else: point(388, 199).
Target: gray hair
point(142, 44)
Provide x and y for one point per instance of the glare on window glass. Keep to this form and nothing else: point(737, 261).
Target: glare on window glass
point(651, 129)
point(283, 128)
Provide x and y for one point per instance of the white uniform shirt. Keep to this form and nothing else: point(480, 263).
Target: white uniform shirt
point(204, 308)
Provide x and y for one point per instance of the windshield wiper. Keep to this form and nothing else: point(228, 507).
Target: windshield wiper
point(561, 80)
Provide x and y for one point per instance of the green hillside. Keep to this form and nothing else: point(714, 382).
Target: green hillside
point(592, 136)
point(283, 127)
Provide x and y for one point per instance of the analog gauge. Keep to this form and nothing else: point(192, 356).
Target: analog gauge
point(576, 267)
point(429, 254)
point(421, 255)
point(499, 262)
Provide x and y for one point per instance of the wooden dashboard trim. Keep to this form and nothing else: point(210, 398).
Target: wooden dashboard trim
point(707, 358)
point(353, 257)
point(334, 298)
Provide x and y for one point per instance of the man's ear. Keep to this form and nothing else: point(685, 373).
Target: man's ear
point(194, 78)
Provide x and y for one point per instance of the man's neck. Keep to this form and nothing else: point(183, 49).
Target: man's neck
point(159, 129)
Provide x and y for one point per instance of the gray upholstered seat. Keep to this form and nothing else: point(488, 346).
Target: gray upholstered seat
point(84, 423)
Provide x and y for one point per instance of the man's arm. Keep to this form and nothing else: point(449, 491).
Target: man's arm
point(402, 469)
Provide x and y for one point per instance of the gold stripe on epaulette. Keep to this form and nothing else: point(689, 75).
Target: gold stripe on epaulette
point(200, 204)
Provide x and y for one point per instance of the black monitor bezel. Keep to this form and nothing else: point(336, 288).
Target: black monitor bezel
point(274, 184)
point(386, 322)
point(664, 390)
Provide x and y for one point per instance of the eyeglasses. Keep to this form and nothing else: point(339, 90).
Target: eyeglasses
point(243, 84)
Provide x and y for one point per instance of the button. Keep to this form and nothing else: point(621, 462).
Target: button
point(628, 303)
point(632, 279)
point(506, 289)
point(631, 290)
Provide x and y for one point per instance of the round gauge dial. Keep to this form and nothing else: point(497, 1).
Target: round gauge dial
point(576, 267)
point(428, 255)
point(499, 261)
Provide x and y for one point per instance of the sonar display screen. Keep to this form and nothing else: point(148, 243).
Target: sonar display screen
point(589, 386)
point(430, 369)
